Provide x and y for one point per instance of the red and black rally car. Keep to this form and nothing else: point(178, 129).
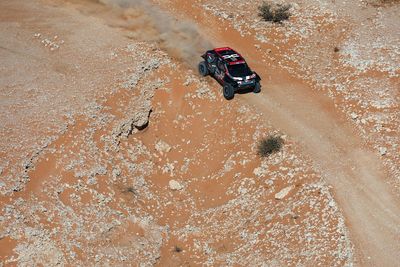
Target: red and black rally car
point(230, 69)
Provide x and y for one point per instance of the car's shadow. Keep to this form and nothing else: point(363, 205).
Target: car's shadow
point(240, 92)
point(244, 91)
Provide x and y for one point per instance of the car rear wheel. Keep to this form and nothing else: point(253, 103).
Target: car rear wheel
point(257, 88)
point(228, 91)
point(203, 70)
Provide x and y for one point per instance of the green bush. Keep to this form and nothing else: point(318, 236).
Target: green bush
point(269, 145)
point(274, 12)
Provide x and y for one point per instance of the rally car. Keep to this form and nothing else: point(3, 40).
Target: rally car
point(230, 69)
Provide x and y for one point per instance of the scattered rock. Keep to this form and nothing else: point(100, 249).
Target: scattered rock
point(92, 180)
point(140, 119)
point(205, 92)
point(175, 185)
point(283, 193)
point(354, 116)
point(162, 147)
point(260, 171)
point(382, 151)
point(116, 172)
point(136, 122)
point(168, 168)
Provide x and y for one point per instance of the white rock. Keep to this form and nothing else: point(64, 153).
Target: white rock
point(162, 147)
point(175, 185)
point(116, 172)
point(354, 116)
point(382, 151)
point(168, 168)
point(260, 171)
point(283, 193)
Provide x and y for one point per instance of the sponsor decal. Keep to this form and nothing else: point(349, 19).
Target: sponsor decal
point(232, 57)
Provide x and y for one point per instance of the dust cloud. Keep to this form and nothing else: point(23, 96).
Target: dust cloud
point(180, 38)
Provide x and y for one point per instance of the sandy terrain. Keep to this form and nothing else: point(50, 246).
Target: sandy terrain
point(347, 163)
point(115, 152)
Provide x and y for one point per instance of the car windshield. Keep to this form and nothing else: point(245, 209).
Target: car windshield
point(239, 70)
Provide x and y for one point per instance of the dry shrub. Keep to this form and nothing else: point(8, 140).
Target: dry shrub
point(269, 145)
point(274, 12)
point(177, 249)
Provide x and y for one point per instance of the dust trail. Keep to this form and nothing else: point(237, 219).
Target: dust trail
point(180, 38)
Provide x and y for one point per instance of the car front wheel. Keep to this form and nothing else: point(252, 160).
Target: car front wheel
point(203, 70)
point(257, 88)
point(228, 91)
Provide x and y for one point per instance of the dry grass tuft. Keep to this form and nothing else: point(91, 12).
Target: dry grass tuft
point(269, 145)
point(274, 12)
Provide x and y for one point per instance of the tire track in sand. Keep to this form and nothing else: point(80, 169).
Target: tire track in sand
point(355, 173)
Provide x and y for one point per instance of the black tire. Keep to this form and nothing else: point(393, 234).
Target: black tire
point(257, 88)
point(229, 92)
point(203, 70)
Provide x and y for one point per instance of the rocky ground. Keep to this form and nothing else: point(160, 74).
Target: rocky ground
point(356, 64)
point(115, 152)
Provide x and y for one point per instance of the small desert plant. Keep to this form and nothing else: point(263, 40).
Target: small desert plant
point(131, 190)
point(282, 13)
point(177, 249)
point(336, 49)
point(274, 12)
point(269, 145)
point(265, 11)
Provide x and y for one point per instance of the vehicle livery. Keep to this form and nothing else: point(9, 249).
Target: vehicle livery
point(230, 69)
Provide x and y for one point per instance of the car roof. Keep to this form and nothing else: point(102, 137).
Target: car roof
point(229, 55)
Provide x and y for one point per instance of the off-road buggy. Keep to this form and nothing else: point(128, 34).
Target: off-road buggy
point(230, 69)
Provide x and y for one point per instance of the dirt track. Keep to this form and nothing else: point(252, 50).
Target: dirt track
point(88, 189)
point(355, 172)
